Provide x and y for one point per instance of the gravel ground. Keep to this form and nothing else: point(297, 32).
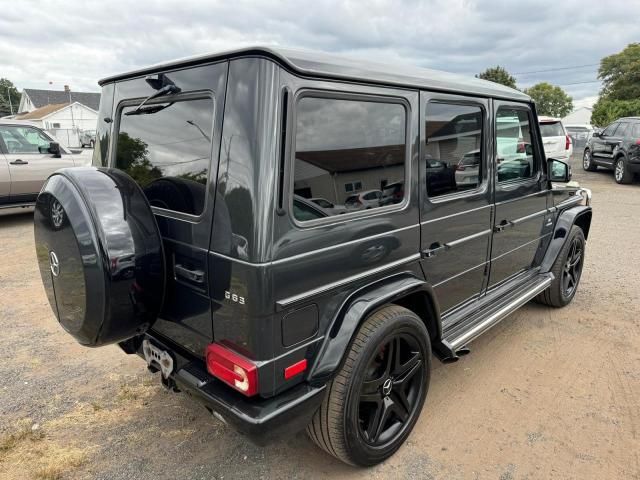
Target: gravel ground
point(546, 394)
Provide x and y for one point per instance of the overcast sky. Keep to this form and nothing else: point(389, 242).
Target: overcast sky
point(77, 42)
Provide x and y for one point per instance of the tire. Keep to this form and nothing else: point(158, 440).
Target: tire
point(557, 295)
point(587, 161)
point(621, 173)
point(338, 427)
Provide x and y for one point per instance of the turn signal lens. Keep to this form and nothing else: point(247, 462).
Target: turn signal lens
point(295, 369)
point(232, 368)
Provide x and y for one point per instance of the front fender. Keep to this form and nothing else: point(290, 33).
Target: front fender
point(353, 311)
point(580, 215)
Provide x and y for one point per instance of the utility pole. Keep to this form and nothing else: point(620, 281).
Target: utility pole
point(9, 97)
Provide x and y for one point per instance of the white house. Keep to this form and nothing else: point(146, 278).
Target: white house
point(65, 120)
point(33, 98)
point(580, 116)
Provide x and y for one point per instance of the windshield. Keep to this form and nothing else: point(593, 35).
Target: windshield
point(322, 202)
point(551, 129)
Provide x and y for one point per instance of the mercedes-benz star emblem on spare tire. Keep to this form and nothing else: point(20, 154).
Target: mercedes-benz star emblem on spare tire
point(55, 263)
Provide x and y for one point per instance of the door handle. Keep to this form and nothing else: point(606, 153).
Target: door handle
point(19, 162)
point(434, 249)
point(196, 276)
point(502, 226)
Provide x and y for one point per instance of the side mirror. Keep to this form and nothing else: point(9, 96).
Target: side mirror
point(54, 148)
point(559, 171)
point(596, 133)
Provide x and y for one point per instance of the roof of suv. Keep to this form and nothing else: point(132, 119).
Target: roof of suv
point(319, 64)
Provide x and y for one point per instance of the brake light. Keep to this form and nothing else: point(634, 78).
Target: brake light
point(232, 368)
point(567, 142)
point(521, 148)
point(638, 141)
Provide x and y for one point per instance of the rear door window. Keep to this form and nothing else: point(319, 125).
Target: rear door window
point(551, 129)
point(168, 151)
point(344, 146)
point(622, 129)
point(453, 147)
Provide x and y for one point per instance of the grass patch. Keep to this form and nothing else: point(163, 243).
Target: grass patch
point(60, 461)
point(24, 430)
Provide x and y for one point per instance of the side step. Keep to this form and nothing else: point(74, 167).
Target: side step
point(462, 332)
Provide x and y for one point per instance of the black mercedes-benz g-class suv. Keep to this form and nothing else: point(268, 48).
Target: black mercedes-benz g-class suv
point(616, 147)
point(192, 240)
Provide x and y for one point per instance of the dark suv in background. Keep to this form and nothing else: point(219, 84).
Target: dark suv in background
point(617, 148)
point(194, 241)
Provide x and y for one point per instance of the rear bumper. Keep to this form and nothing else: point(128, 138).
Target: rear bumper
point(262, 420)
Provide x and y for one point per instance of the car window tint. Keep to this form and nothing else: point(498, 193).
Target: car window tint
point(347, 146)
point(610, 130)
point(551, 129)
point(621, 131)
point(305, 212)
point(454, 148)
point(20, 139)
point(515, 158)
point(168, 153)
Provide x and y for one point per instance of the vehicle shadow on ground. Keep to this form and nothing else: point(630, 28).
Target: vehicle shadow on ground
point(15, 217)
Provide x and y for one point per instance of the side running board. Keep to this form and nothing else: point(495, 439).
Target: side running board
point(461, 333)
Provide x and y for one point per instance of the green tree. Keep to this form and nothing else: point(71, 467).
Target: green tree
point(606, 111)
point(620, 94)
point(550, 99)
point(9, 97)
point(132, 158)
point(498, 74)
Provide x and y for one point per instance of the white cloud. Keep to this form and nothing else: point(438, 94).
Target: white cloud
point(77, 42)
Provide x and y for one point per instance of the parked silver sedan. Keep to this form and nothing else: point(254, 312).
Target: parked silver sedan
point(28, 155)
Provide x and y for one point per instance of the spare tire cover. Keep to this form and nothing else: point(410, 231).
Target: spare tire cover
point(100, 254)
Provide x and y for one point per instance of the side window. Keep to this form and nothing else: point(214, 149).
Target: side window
point(345, 149)
point(304, 212)
point(610, 130)
point(24, 139)
point(453, 156)
point(167, 150)
point(636, 131)
point(514, 151)
point(622, 130)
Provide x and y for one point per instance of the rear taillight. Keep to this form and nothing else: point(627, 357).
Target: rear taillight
point(521, 148)
point(232, 368)
point(460, 168)
point(638, 141)
point(567, 142)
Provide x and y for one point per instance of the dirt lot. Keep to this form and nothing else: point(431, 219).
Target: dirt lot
point(546, 394)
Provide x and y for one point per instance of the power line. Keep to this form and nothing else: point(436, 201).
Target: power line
point(556, 69)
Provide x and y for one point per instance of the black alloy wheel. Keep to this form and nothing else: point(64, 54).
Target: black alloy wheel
point(572, 267)
point(375, 399)
point(390, 391)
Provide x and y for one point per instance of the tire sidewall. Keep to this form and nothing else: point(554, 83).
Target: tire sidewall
point(587, 167)
point(361, 453)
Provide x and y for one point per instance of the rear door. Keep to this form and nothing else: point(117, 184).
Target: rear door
point(171, 150)
point(554, 139)
point(5, 177)
point(456, 209)
point(29, 161)
point(520, 193)
point(600, 145)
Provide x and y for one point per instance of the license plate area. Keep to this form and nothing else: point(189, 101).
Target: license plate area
point(158, 358)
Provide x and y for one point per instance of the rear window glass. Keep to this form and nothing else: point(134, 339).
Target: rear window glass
point(347, 146)
point(551, 129)
point(168, 152)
